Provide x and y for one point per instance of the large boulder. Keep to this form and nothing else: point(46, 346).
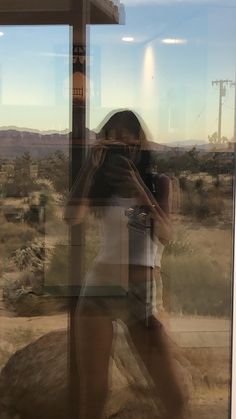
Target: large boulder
point(33, 383)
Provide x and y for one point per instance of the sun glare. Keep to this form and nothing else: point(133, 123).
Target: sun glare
point(174, 41)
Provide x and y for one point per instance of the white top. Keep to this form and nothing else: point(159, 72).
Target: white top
point(110, 267)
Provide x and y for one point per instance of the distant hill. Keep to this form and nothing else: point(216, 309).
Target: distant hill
point(14, 142)
point(159, 147)
point(220, 148)
point(23, 129)
point(187, 143)
point(201, 146)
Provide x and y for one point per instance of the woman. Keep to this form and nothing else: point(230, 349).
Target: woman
point(110, 186)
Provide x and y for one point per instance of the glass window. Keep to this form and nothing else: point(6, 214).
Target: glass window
point(173, 64)
point(117, 139)
point(34, 179)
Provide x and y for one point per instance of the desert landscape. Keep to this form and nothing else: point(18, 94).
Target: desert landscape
point(196, 276)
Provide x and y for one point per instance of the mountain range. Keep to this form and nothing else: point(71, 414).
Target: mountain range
point(14, 142)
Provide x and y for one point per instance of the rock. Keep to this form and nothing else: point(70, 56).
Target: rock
point(132, 394)
point(33, 383)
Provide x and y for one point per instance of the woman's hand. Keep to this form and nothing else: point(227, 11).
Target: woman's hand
point(124, 177)
point(121, 177)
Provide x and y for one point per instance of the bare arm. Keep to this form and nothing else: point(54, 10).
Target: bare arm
point(126, 178)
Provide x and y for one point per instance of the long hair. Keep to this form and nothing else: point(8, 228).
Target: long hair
point(92, 182)
point(113, 126)
point(120, 120)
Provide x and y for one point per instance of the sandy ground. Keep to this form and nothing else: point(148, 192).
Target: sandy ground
point(186, 331)
point(207, 403)
point(189, 332)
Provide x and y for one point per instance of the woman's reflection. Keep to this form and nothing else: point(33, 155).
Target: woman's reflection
point(115, 184)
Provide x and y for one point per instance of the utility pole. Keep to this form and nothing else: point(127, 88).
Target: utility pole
point(233, 84)
point(222, 93)
point(235, 110)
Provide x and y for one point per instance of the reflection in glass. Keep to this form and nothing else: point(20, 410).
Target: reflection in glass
point(149, 339)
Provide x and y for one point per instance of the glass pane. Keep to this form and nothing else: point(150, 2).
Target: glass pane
point(34, 181)
point(116, 187)
point(173, 65)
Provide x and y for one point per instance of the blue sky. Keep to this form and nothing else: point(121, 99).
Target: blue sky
point(168, 84)
point(34, 67)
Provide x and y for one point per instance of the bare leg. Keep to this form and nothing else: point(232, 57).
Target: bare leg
point(153, 348)
point(94, 341)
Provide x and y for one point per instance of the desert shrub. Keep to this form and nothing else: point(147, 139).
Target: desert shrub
point(30, 257)
point(178, 247)
point(14, 236)
point(201, 205)
point(186, 206)
point(199, 183)
point(26, 282)
point(29, 261)
point(189, 201)
point(194, 284)
point(32, 216)
point(183, 183)
point(202, 210)
point(180, 243)
point(217, 182)
point(202, 198)
point(59, 261)
point(30, 280)
point(25, 295)
point(56, 168)
point(47, 201)
point(216, 204)
point(211, 365)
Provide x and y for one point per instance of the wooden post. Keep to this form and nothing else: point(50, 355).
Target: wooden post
point(77, 152)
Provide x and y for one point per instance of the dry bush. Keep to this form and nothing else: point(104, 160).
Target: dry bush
point(213, 364)
point(13, 236)
point(195, 285)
